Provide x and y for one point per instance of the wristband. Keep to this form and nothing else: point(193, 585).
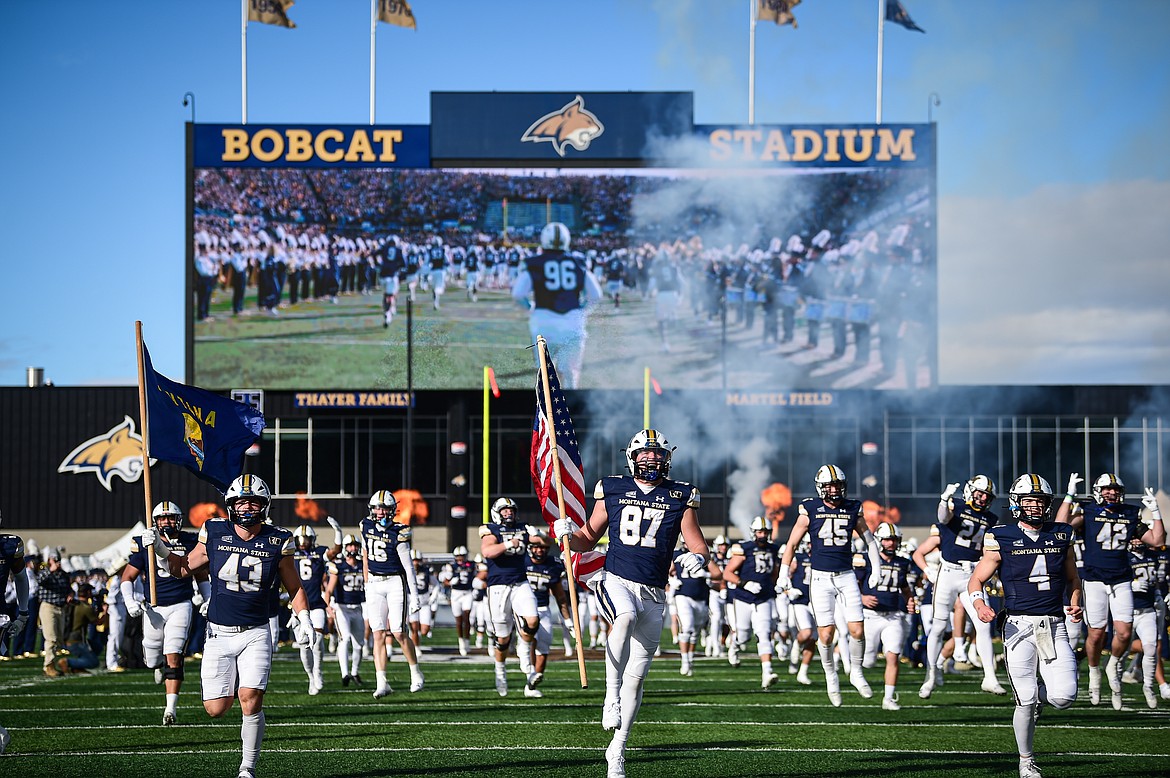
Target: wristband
point(978, 596)
point(1069, 498)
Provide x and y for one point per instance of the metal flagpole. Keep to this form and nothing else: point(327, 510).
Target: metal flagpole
point(752, 60)
point(244, 61)
point(373, 48)
point(144, 426)
point(881, 5)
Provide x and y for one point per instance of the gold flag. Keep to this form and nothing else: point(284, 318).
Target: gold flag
point(270, 12)
point(396, 12)
point(779, 11)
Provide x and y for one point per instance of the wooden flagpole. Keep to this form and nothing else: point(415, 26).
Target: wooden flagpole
point(144, 425)
point(565, 553)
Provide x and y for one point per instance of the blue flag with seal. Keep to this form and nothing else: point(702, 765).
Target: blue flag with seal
point(197, 429)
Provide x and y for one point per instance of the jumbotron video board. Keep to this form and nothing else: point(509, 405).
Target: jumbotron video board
point(734, 257)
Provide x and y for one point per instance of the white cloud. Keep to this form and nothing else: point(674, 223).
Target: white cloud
point(1067, 285)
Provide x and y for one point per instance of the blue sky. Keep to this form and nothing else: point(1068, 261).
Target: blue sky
point(1054, 215)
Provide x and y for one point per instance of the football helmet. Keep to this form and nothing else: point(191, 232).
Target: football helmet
point(1030, 486)
point(1108, 481)
point(720, 540)
point(831, 483)
point(459, 551)
point(979, 483)
point(382, 501)
point(305, 537)
point(888, 531)
point(538, 548)
point(555, 236)
point(252, 488)
point(760, 524)
point(172, 514)
point(415, 556)
point(351, 540)
point(498, 508)
point(649, 440)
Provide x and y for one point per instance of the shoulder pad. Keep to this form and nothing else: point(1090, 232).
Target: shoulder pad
point(403, 533)
point(331, 566)
point(202, 536)
point(736, 550)
point(599, 490)
point(990, 541)
point(484, 531)
point(934, 531)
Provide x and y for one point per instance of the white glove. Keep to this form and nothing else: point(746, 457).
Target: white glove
point(134, 607)
point(303, 630)
point(204, 607)
point(753, 587)
point(17, 625)
point(875, 578)
point(1073, 480)
point(337, 536)
point(784, 580)
point(414, 603)
point(151, 537)
point(949, 492)
point(692, 564)
point(563, 528)
point(478, 583)
point(1151, 503)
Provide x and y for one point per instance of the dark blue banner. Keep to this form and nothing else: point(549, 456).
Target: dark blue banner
point(556, 128)
point(312, 146)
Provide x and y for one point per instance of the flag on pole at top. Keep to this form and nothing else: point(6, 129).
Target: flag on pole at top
point(396, 12)
point(197, 429)
point(270, 12)
point(547, 422)
point(779, 11)
point(896, 13)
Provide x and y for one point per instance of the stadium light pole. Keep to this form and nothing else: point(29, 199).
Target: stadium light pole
point(931, 102)
point(189, 99)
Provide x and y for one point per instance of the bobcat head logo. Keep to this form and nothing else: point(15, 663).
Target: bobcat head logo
point(114, 453)
point(571, 125)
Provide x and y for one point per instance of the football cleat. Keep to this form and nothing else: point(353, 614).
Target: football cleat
point(158, 675)
point(1094, 694)
point(382, 691)
point(357, 680)
point(1151, 698)
point(1164, 690)
point(860, 684)
point(615, 761)
point(247, 772)
point(1028, 768)
point(502, 684)
point(416, 685)
point(835, 698)
point(5, 739)
point(992, 685)
point(802, 676)
point(536, 679)
point(533, 693)
point(314, 690)
point(345, 679)
point(1115, 699)
point(927, 687)
point(733, 655)
point(169, 718)
point(891, 703)
point(833, 689)
point(1113, 676)
point(769, 680)
point(611, 715)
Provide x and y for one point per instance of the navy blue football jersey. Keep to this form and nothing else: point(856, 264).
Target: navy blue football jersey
point(800, 578)
point(1032, 569)
point(558, 279)
point(380, 546)
point(693, 586)
point(11, 559)
point(350, 588)
point(895, 573)
point(542, 575)
point(830, 530)
point(508, 567)
point(644, 526)
point(961, 535)
point(170, 590)
point(311, 570)
point(462, 574)
point(761, 560)
point(1107, 532)
point(244, 573)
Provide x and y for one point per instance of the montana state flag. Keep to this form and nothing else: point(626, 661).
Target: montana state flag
point(896, 13)
point(270, 12)
point(779, 11)
point(197, 429)
point(396, 12)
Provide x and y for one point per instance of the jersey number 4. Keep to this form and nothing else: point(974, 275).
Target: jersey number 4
point(631, 529)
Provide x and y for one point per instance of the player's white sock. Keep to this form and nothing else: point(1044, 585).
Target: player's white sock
point(856, 653)
point(381, 676)
point(172, 702)
point(889, 692)
point(355, 663)
point(343, 656)
point(960, 649)
point(252, 735)
point(827, 661)
point(766, 668)
point(524, 652)
point(1024, 724)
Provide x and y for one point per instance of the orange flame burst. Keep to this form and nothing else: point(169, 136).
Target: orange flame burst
point(776, 498)
point(309, 509)
point(412, 508)
point(876, 514)
point(200, 512)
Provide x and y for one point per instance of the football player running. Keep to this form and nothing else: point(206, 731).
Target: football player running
point(644, 513)
point(311, 561)
point(424, 581)
point(690, 602)
point(460, 575)
point(345, 597)
point(390, 587)
point(884, 604)
point(1037, 570)
point(544, 576)
point(753, 569)
point(166, 622)
point(831, 519)
point(247, 560)
point(1109, 525)
point(504, 545)
point(958, 535)
point(14, 616)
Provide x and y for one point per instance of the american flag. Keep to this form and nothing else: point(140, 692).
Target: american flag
point(586, 564)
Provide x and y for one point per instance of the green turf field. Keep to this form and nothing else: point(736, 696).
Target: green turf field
point(717, 723)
